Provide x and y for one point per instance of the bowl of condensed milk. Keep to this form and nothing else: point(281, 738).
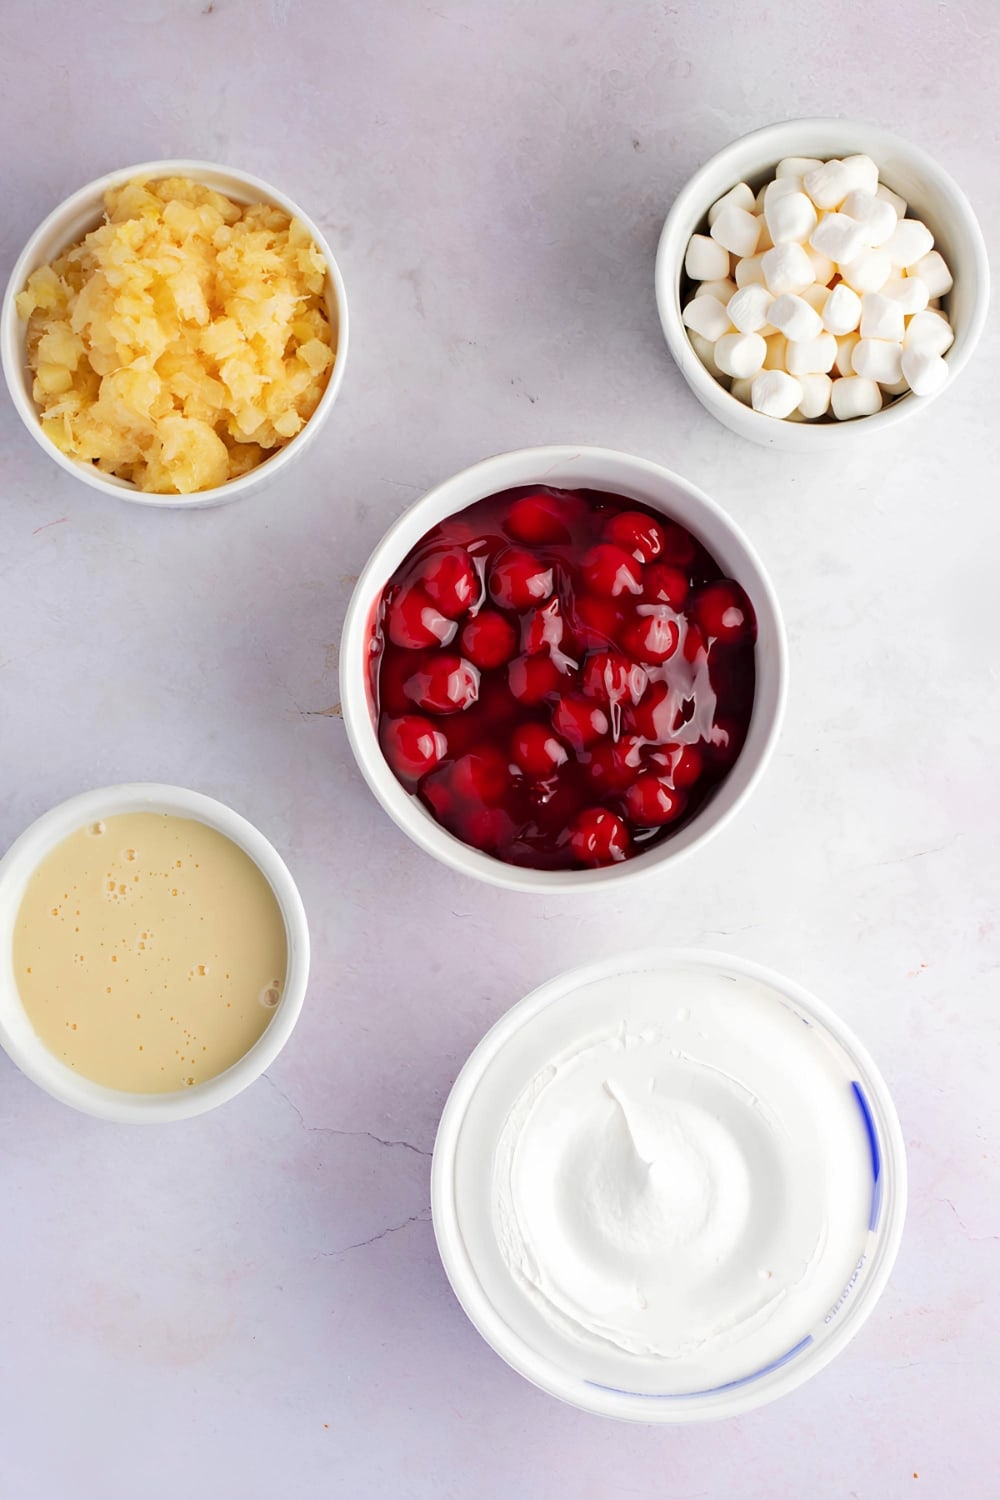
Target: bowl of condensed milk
point(154, 953)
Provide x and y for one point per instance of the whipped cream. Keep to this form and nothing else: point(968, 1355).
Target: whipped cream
point(685, 1186)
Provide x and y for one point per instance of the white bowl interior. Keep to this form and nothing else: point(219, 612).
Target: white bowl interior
point(567, 467)
point(17, 1035)
point(84, 211)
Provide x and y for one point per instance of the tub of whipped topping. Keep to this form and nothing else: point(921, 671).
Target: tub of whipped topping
point(669, 1187)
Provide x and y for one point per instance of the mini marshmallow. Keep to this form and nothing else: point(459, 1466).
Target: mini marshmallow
point(815, 295)
point(881, 318)
point(929, 332)
point(706, 259)
point(777, 352)
point(877, 359)
point(811, 356)
point(909, 242)
point(740, 196)
point(737, 230)
point(705, 350)
point(926, 373)
point(775, 394)
point(707, 316)
point(841, 312)
point(720, 290)
point(797, 166)
point(740, 354)
point(934, 273)
point(748, 310)
point(741, 390)
point(758, 202)
point(786, 268)
point(793, 317)
point(863, 172)
point(829, 184)
point(815, 395)
point(894, 387)
point(888, 196)
point(765, 242)
point(824, 270)
point(909, 291)
point(749, 272)
point(838, 237)
point(878, 217)
point(867, 272)
point(853, 396)
point(790, 217)
point(845, 349)
point(780, 187)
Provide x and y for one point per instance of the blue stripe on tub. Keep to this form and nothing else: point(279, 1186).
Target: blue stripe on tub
point(714, 1390)
point(876, 1154)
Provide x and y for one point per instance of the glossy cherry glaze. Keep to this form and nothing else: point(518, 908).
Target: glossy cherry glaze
point(562, 677)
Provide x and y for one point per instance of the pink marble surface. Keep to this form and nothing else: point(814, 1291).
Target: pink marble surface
point(251, 1305)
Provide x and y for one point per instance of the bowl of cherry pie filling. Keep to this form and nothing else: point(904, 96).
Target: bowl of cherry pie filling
point(563, 667)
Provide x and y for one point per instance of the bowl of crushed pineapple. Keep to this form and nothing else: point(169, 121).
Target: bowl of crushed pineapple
point(175, 333)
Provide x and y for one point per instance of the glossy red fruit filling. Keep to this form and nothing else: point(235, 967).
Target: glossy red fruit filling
point(562, 678)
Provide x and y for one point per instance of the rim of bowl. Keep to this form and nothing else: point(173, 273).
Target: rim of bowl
point(621, 1405)
point(669, 269)
point(13, 330)
point(453, 494)
point(29, 1052)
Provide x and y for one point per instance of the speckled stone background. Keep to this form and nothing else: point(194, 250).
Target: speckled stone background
point(250, 1306)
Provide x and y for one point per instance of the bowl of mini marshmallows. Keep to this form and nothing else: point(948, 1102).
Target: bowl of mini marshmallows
point(819, 279)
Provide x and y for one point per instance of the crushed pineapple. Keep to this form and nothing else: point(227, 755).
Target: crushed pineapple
point(182, 342)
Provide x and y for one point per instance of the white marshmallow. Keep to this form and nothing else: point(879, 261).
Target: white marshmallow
point(775, 394)
point(811, 356)
point(749, 272)
point(838, 237)
point(790, 217)
point(888, 196)
point(877, 359)
point(780, 187)
point(867, 272)
point(934, 273)
point(707, 316)
point(740, 196)
point(909, 291)
point(705, 350)
point(721, 290)
point(863, 172)
point(786, 268)
point(796, 166)
point(824, 270)
point(758, 202)
point(926, 373)
point(815, 295)
point(765, 242)
point(815, 395)
point(853, 396)
point(930, 332)
point(741, 390)
point(846, 346)
point(737, 230)
point(829, 184)
point(841, 311)
point(793, 317)
point(881, 318)
point(877, 216)
point(748, 309)
point(740, 354)
point(706, 259)
point(894, 387)
point(909, 242)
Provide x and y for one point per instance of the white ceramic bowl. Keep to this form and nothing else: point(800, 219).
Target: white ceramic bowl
point(17, 1035)
point(525, 1039)
point(566, 467)
point(932, 195)
point(84, 211)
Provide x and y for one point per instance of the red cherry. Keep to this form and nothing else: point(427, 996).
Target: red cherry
point(638, 533)
point(651, 802)
point(443, 684)
point(532, 678)
point(723, 611)
point(652, 638)
point(450, 581)
point(538, 518)
point(481, 776)
point(597, 622)
point(678, 545)
point(683, 764)
point(612, 765)
point(519, 579)
point(656, 716)
point(598, 837)
point(613, 678)
point(695, 645)
point(536, 750)
point(579, 721)
point(413, 746)
point(415, 622)
point(611, 571)
point(543, 628)
point(664, 583)
point(486, 828)
point(488, 639)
